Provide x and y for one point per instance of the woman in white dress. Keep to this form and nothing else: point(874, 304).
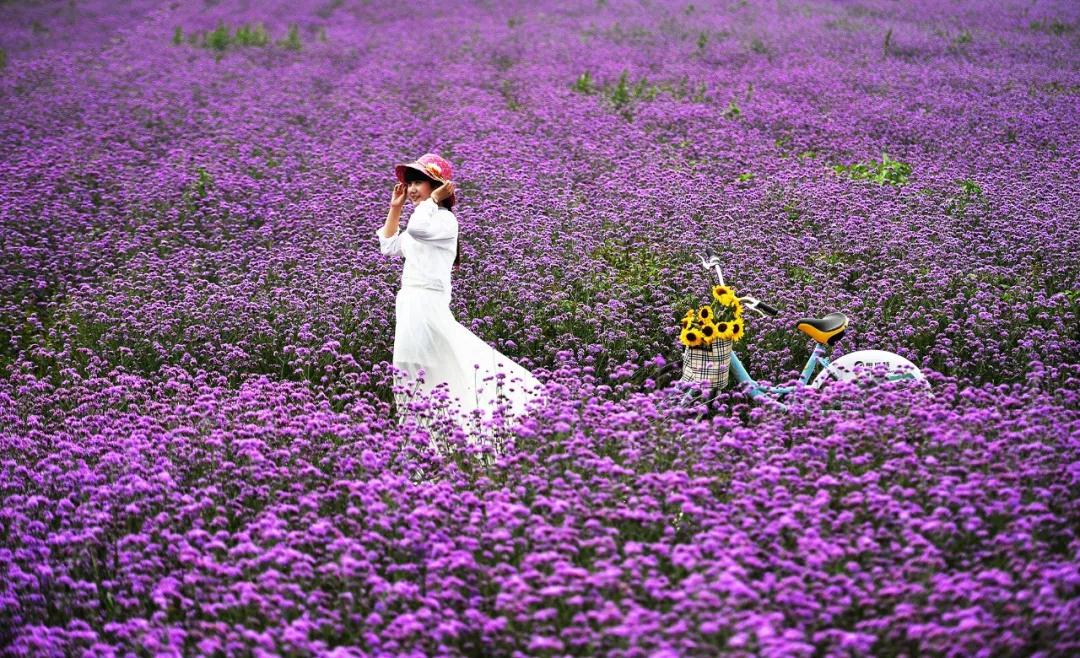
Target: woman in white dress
point(428, 341)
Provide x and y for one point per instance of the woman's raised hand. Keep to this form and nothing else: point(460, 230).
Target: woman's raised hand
point(443, 191)
point(397, 200)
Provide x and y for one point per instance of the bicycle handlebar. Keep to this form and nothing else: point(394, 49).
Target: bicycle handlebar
point(711, 260)
point(765, 308)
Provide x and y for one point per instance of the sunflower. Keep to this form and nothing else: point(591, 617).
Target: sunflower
point(691, 337)
point(689, 315)
point(684, 323)
point(723, 330)
point(737, 329)
point(705, 312)
point(723, 295)
point(708, 332)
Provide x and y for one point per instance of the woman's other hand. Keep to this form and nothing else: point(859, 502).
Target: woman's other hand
point(442, 192)
point(397, 200)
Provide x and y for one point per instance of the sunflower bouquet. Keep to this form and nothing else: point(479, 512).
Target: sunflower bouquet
point(720, 319)
point(708, 333)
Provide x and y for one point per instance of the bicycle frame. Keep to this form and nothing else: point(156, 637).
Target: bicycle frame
point(756, 390)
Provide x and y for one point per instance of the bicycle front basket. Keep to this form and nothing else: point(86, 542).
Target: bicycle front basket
point(709, 363)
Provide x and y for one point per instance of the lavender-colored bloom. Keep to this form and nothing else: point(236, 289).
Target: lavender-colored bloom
point(199, 454)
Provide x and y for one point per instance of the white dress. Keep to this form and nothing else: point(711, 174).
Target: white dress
point(426, 335)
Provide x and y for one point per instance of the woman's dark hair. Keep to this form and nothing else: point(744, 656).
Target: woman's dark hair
point(415, 175)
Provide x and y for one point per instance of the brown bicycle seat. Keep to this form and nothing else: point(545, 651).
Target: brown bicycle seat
point(826, 330)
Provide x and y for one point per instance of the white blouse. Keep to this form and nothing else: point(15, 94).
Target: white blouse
point(428, 244)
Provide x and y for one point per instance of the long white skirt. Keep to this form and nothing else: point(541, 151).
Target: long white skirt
point(428, 340)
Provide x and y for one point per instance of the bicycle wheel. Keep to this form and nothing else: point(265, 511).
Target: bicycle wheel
point(869, 368)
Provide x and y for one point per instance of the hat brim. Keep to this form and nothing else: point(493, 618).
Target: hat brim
point(399, 171)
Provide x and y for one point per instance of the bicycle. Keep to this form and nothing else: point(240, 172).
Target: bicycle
point(863, 366)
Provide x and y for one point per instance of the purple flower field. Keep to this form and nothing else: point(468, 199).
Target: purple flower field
point(199, 450)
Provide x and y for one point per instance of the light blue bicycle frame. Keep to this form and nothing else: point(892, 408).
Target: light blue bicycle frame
point(756, 390)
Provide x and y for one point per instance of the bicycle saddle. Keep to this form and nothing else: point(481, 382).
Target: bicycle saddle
point(826, 330)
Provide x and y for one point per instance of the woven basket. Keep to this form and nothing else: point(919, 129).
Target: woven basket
point(708, 364)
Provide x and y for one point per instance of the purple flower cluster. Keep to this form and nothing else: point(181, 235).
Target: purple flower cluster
point(189, 517)
point(198, 449)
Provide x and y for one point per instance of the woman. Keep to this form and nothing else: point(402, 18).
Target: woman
point(428, 342)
